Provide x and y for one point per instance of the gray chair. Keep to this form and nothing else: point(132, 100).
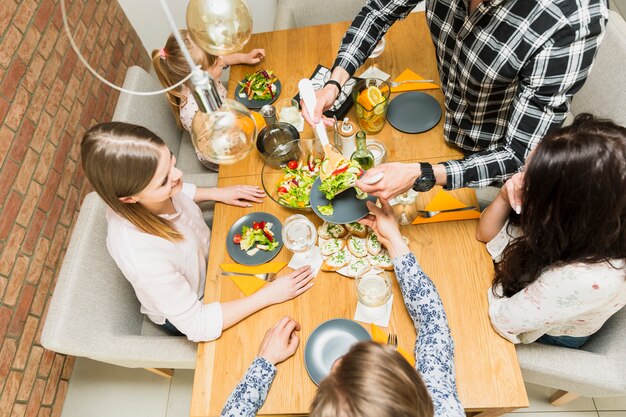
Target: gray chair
point(597, 369)
point(297, 13)
point(94, 312)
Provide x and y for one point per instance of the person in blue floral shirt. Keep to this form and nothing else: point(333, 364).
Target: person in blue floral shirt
point(371, 379)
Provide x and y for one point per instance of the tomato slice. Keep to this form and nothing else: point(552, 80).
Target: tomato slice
point(258, 226)
point(237, 239)
point(268, 236)
point(282, 190)
point(342, 169)
point(292, 164)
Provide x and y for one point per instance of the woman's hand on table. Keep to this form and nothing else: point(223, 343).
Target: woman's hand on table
point(383, 222)
point(397, 178)
point(289, 286)
point(281, 341)
point(239, 195)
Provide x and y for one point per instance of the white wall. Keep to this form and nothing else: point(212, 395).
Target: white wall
point(148, 20)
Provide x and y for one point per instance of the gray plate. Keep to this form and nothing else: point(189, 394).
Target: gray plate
point(261, 256)
point(347, 207)
point(414, 112)
point(256, 104)
point(328, 342)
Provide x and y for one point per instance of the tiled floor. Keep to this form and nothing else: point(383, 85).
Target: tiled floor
point(101, 390)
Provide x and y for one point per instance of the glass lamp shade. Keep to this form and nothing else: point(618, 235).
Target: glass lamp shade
point(226, 135)
point(220, 27)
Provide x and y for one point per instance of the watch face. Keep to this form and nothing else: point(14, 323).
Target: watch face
point(424, 184)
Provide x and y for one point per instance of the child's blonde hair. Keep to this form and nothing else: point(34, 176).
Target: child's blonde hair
point(171, 67)
point(120, 160)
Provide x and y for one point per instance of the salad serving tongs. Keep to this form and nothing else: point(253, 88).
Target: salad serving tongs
point(308, 96)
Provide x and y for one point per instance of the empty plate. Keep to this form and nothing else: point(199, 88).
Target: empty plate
point(328, 342)
point(347, 207)
point(414, 112)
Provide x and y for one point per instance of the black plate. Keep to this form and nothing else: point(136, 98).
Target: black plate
point(261, 256)
point(414, 112)
point(328, 342)
point(256, 104)
point(347, 207)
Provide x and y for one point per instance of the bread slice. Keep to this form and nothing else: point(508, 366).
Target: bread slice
point(337, 260)
point(357, 246)
point(337, 230)
point(332, 246)
point(357, 229)
point(323, 232)
point(373, 245)
point(356, 266)
point(381, 260)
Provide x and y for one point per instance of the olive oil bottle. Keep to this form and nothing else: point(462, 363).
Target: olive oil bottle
point(362, 155)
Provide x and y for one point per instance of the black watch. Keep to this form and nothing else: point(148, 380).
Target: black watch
point(426, 180)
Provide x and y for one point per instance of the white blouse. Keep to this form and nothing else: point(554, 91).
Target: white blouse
point(570, 300)
point(191, 107)
point(168, 277)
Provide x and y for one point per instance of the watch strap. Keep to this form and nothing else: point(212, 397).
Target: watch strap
point(335, 83)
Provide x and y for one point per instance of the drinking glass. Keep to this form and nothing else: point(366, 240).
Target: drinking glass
point(299, 235)
point(371, 115)
point(373, 289)
point(288, 111)
point(404, 199)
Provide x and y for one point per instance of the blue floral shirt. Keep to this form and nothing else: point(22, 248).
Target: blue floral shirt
point(434, 350)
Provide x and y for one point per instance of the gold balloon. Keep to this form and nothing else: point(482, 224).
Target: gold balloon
point(220, 27)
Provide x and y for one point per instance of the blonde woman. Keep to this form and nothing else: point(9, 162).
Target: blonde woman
point(157, 236)
point(371, 380)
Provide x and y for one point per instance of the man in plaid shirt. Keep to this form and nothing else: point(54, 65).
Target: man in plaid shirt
point(508, 70)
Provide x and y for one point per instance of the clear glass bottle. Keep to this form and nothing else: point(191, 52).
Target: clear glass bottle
point(275, 135)
point(362, 155)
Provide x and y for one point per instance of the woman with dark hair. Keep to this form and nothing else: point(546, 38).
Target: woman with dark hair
point(557, 232)
point(371, 380)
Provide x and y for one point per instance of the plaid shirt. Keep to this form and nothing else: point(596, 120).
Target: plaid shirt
point(508, 72)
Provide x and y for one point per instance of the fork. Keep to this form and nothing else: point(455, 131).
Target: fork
point(428, 214)
point(392, 340)
point(397, 83)
point(269, 276)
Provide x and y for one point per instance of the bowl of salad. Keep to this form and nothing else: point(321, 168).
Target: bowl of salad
point(290, 171)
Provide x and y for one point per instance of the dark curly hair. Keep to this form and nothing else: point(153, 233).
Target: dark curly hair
point(574, 204)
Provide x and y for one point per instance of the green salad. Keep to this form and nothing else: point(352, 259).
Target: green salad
point(294, 188)
point(255, 238)
point(342, 178)
point(259, 86)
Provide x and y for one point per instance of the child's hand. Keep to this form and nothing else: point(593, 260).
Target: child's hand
point(239, 195)
point(281, 341)
point(253, 57)
point(511, 191)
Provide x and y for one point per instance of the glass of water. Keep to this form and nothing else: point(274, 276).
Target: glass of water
point(299, 234)
point(407, 198)
point(373, 289)
point(288, 111)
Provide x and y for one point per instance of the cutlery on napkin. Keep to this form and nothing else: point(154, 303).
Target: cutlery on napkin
point(407, 74)
point(250, 284)
point(444, 201)
point(380, 336)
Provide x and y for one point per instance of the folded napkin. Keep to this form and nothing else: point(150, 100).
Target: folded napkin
point(379, 336)
point(381, 315)
point(444, 201)
point(410, 75)
point(375, 72)
point(249, 285)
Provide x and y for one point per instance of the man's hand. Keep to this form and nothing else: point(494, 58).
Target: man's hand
point(325, 98)
point(397, 178)
point(281, 341)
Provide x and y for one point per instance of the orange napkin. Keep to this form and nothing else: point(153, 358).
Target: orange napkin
point(410, 75)
point(445, 201)
point(379, 336)
point(249, 285)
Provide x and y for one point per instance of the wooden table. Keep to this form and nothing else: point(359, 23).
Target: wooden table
point(488, 375)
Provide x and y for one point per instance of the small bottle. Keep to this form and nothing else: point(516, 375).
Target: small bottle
point(274, 135)
point(362, 155)
point(346, 133)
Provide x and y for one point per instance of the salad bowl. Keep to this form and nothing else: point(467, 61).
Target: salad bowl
point(289, 172)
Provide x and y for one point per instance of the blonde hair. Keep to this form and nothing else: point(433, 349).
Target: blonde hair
point(120, 160)
point(171, 67)
point(372, 380)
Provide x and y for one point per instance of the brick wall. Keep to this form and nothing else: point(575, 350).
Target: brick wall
point(47, 101)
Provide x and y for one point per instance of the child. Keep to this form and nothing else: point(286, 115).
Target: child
point(171, 67)
point(157, 236)
point(558, 234)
